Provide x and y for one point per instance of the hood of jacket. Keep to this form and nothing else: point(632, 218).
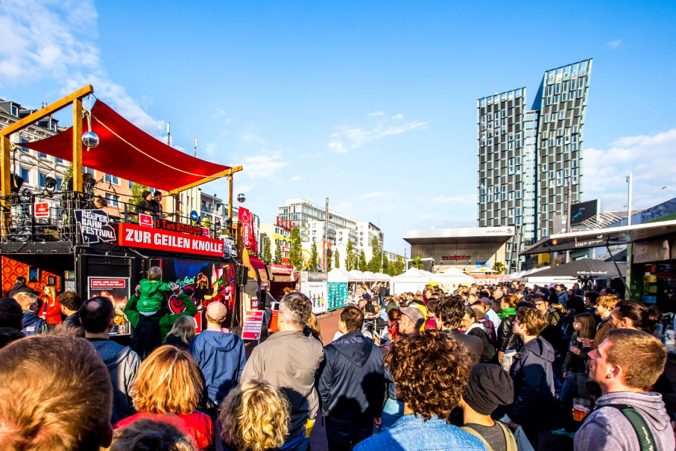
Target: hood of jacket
point(149, 287)
point(541, 349)
point(649, 404)
point(355, 347)
point(220, 341)
point(112, 354)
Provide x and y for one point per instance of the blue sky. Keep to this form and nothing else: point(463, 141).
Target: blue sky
point(369, 103)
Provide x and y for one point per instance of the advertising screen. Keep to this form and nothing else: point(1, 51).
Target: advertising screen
point(582, 211)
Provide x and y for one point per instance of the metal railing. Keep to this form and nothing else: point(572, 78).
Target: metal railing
point(44, 217)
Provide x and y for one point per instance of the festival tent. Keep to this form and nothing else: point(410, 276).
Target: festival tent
point(369, 276)
point(452, 278)
point(413, 280)
point(338, 275)
point(355, 276)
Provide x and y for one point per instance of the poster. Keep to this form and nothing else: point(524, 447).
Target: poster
point(253, 325)
point(338, 295)
point(317, 292)
point(116, 289)
point(94, 226)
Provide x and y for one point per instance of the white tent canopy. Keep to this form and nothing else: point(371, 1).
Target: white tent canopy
point(413, 280)
point(338, 275)
point(355, 276)
point(369, 276)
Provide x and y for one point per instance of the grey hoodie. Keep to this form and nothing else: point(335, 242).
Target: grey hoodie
point(608, 429)
point(122, 364)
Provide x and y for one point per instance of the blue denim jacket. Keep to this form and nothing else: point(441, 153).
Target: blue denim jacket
point(414, 433)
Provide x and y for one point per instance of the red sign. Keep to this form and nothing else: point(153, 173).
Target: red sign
point(41, 210)
point(281, 269)
point(177, 227)
point(245, 218)
point(285, 224)
point(103, 284)
point(143, 237)
point(456, 258)
point(145, 220)
point(253, 323)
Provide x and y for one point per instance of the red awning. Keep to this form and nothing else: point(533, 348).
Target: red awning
point(128, 152)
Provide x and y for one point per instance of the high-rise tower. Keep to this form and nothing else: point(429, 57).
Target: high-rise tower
point(530, 159)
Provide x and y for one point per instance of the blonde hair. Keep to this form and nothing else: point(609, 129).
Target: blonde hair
point(168, 381)
point(255, 417)
point(608, 301)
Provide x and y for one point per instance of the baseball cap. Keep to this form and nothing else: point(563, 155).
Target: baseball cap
point(414, 314)
point(216, 311)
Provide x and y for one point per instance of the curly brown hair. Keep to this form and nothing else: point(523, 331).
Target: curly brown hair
point(450, 310)
point(430, 371)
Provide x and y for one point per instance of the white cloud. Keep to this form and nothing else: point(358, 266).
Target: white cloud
point(57, 40)
point(266, 165)
point(223, 116)
point(347, 138)
point(615, 43)
point(251, 139)
point(295, 178)
point(650, 158)
point(379, 195)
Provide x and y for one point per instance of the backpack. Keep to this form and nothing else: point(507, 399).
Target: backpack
point(510, 441)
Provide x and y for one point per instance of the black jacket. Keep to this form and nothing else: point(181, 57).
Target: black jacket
point(352, 378)
point(488, 355)
point(473, 344)
point(507, 339)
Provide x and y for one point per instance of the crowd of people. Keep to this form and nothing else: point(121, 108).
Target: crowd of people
point(482, 368)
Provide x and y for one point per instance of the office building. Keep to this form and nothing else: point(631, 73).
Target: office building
point(530, 158)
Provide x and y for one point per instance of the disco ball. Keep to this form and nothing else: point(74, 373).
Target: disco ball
point(90, 139)
point(241, 197)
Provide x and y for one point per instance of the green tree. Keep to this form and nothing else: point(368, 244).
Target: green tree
point(314, 264)
point(499, 267)
point(417, 262)
point(266, 252)
point(375, 264)
point(396, 267)
point(329, 260)
point(296, 251)
point(278, 252)
point(336, 259)
point(136, 193)
point(386, 265)
point(349, 262)
point(363, 266)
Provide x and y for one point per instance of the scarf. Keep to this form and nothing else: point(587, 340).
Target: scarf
point(506, 312)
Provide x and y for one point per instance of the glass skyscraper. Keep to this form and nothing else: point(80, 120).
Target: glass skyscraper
point(530, 159)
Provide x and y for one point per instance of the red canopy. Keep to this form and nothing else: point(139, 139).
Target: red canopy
point(128, 152)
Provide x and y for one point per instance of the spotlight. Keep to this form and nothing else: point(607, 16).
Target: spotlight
point(50, 186)
point(16, 183)
point(241, 197)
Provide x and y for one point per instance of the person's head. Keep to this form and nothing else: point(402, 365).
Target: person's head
point(313, 326)
point(410, 320)
point(294, 311)
point(488, 387)
point(361, 303)
point(49, 291)
point(168, 381)
point(627, 360)
point(96, 315)
point(605, 304)
point(154, 273)
point(100, 202)
point(255, 416)
point(468, 318)
point(216, 314)
point(20, 280)
point(25, 300)
point(158, 195)
point(632, 315)
point(70, 407)
point(147, 195)
point(351, 320)
point(183, 329)
point(11, 314)
point(70, 302)
point(529, 322)
point(498, 294)
point(539, 301)
point(145, 435)
point(431, 362)
point(509, 301)
point(450, 312)
point(585, 325)
point(590, 298)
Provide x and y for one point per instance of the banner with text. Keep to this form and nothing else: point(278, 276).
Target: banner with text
point(142, 237)
point(253, 325)
point(245, 218)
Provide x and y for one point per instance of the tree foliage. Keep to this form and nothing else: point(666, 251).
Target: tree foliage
point(278, 252)
point(314, 258)
point(336, 259)
point(417, 262)
point(363, 266)
point(375, 264)
point(296, 251)
point(137, 193)
point(499, 267)
point(266, 251)
point(349, 261)
point(329, 260)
